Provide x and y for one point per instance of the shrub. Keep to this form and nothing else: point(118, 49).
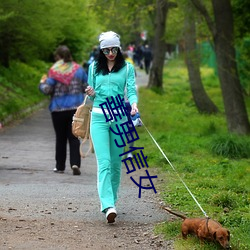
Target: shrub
point(223, 200)
point(231, 146)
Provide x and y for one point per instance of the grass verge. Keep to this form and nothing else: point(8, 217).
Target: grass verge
point(214, 164)
point(19, 89)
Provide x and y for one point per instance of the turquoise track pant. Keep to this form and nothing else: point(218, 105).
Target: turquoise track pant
point(108, 159)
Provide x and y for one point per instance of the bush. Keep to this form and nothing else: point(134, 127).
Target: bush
point(224, 200)
point(231, 146)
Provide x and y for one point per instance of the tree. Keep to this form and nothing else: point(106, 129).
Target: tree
point(201, 99)
point(159, 46)
point(127, 17)
point(223, 38)
point(28, 33)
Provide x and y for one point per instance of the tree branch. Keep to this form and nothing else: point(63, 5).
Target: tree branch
point(202, 9)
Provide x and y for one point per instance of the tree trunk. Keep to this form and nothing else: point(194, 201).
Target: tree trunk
point(201, 99)
point(223, 38)
point(235, 109)
point(159, 47)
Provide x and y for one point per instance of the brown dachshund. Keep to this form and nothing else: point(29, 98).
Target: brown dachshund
point(204, 229)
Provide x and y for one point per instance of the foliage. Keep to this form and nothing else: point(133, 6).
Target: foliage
point(128, 18)
point(242, 37)
point(19, 88)
point(41, 30)
point(241, 17)
point(220, 184)
point(175, 25)
point(243, 60)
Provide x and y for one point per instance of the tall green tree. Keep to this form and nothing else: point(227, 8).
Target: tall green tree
point(126, 17)
point(202, 101)
point(159, 45)
point(221, 27)
point(25, 31)
point(28, 33)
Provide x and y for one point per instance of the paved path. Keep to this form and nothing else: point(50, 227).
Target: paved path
point(141, 78)
point(30, 190)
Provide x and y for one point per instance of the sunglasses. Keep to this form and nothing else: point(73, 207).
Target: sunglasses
point(106, 51)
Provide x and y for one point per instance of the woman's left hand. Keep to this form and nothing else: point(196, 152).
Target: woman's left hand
point(134, 109)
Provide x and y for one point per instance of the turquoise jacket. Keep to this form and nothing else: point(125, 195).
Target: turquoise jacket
point(113, 84)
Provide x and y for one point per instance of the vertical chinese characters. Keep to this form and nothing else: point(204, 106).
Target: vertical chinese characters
point(127, 130)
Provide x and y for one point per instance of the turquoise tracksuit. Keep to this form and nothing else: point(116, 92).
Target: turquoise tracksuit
point(106, 151)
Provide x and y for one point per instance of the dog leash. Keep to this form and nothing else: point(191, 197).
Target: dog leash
point(175, 170)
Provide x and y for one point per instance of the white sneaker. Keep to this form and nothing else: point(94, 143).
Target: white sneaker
point(129, 155)
point(111, 214)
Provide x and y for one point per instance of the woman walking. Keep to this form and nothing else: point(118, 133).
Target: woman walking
point(65, 84)
point(108, 77)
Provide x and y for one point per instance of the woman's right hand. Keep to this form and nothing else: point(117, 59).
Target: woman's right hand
point(90, 91)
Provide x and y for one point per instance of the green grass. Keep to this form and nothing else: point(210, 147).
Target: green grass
point(19, 88)
point(214, 164)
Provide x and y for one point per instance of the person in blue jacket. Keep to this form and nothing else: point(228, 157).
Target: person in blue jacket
point(65, 83)
point(108, 77)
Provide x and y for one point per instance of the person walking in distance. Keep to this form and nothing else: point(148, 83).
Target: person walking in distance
point(147, 54)
point(108, 77)
point(65, 83)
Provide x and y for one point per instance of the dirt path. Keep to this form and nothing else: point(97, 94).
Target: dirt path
point(43, 210)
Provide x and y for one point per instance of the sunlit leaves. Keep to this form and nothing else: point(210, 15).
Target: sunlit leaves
point(31, 29)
